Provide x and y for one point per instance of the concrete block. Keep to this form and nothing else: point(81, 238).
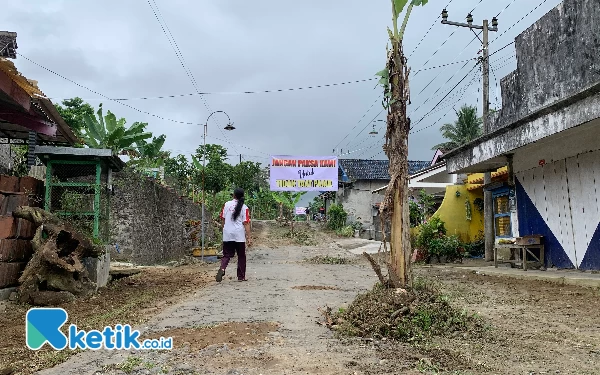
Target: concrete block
point(6, 292)
point(98, 269)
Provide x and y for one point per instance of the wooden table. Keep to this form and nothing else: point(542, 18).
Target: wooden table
point(523, 250)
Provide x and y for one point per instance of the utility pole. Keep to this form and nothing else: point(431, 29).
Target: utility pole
point(240, 158)
point(488, 203)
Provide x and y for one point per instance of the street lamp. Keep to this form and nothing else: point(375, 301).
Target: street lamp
point(374, 132)
point(229, 127)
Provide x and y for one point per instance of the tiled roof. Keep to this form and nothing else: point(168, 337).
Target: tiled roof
point(361, 169)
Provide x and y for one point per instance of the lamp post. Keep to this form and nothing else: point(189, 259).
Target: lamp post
point(229, 127)
point(375, 132)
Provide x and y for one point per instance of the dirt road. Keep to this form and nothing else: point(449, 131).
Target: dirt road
point(268, 325)
point(281, 289)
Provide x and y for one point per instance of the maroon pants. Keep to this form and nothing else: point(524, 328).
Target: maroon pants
point(230, 248)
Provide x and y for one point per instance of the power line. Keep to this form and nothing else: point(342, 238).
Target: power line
point(363, 129)
point(363, 116)
point(263, 91)
point(461, 92)
point(522, 18)
point(123, 104)
point(179, 55)
point(427, 33)
point(505, 8)
point(445, 96)
point(467, 61)
point(466, 88)
point(445, 41)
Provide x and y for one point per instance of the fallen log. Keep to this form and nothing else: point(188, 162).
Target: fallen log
point(55, 274)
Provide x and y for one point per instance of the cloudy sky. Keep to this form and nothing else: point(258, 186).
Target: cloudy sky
point(118, 49)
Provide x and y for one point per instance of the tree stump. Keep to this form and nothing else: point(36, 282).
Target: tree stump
point(55, 274)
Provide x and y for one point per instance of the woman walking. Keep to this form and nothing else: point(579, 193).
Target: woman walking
point(236, 234)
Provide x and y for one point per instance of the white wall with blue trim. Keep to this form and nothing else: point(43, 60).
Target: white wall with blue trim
point(560, 199)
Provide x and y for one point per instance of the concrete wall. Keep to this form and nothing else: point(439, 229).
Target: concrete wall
point(148, 220)
point(560, 200)
point(557, 57)
point(358, 201)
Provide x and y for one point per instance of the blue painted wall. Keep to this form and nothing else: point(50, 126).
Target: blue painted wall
point(531, 222)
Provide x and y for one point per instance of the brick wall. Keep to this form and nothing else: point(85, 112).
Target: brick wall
point(148, 220)
point(15, 247)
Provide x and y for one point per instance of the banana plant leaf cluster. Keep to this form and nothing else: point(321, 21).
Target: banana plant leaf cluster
point(108, 132)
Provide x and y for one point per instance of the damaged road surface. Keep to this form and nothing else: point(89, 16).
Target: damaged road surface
point(267, 325)
point(272, 324)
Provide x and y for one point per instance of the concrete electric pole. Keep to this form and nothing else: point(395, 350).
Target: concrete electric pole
point(488, 202)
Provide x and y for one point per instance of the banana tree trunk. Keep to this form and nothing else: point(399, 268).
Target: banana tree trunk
point(396, 148)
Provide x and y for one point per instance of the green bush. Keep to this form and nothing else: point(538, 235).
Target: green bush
point(336, 217)
point(347, 231)
point(434, 242)
point(477, 247)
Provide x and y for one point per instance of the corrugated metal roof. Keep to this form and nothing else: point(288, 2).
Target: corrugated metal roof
point(364, 169)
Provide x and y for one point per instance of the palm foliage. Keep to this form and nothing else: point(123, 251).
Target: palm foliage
point(465, 129)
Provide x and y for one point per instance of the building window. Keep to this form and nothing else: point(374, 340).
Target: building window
point(502, 214)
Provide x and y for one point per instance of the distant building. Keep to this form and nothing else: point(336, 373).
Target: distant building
point(357, 179)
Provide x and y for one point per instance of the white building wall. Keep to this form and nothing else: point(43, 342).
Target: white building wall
point(358, 201)
point(565, 190)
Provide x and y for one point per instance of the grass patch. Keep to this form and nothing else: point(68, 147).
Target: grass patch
point(130, 364)
point(301, 237)
point(320, 259)
point(405, 315)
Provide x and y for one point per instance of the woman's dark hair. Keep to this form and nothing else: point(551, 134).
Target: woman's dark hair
point(239, 195)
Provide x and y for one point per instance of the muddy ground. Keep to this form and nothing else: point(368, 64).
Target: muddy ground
point(269, 325)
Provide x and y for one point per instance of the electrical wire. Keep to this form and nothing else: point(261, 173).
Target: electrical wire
point(522, 18)
point(445, 41)
point(445, 96)
point(124, 104)
point(359, 121)
point(433, 95)
point(430, 27)
point(505, 8)
point(461, 92)
point(180, 57)
point(259, 91)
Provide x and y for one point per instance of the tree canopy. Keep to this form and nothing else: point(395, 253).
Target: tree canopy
point(465, 129)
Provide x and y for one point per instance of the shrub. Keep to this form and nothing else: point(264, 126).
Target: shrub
point(477, 247)
point(336, 217)
point(434, 242)
point(347, 231)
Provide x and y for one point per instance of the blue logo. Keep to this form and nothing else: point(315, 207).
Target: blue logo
point(42, 325)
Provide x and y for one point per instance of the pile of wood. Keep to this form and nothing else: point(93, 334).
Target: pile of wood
point(56, 273)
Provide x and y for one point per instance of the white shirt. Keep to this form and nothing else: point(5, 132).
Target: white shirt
point(233, 230)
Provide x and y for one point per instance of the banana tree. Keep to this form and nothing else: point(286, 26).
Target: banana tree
point(394, 79)
point(289, 200)
point(108, 132)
